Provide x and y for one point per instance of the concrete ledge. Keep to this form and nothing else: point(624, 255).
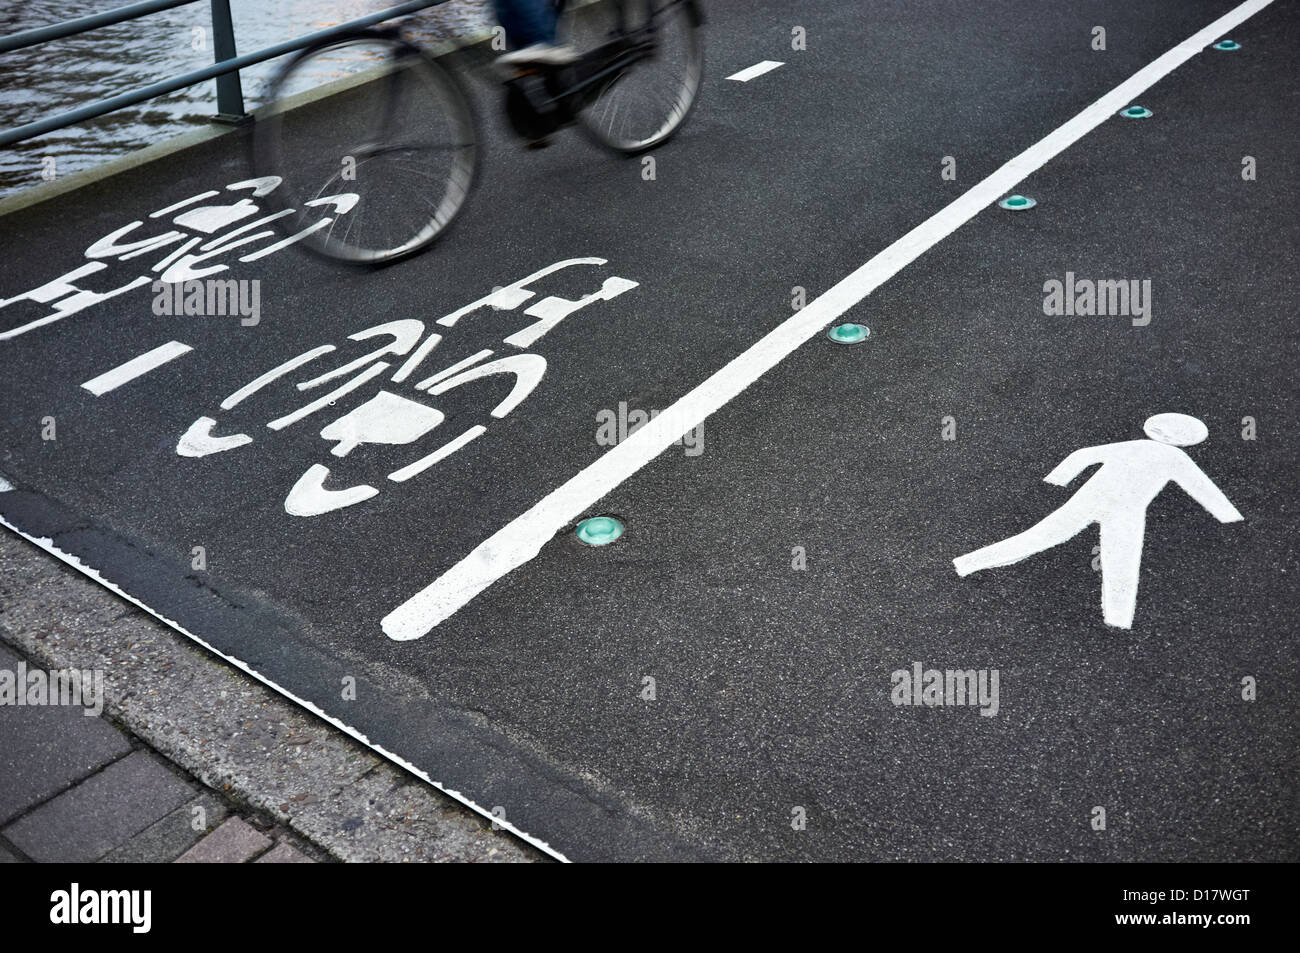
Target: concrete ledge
point(132, 160)
point(232, 732)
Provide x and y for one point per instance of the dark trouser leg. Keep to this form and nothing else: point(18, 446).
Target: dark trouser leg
point(527, 21)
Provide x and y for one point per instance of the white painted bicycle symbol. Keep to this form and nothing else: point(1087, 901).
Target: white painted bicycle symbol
point(403, 357)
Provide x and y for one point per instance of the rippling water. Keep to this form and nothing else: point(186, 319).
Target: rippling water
point(53, 78)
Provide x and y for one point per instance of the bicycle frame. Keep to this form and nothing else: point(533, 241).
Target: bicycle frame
point(539, 101)
point(624, 50)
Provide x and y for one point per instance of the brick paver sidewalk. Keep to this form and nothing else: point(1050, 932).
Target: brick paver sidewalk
point(74, 788)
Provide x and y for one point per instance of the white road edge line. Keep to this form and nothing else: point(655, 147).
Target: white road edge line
point(136, 367)
point(523, 538)
point(752, 72)
point(48, 545)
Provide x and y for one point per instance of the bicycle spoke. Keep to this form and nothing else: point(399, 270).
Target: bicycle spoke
point(649, 97)
point(390, 138)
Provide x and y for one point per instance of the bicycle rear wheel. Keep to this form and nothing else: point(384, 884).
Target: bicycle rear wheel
point(376, 145)
point(642, 105)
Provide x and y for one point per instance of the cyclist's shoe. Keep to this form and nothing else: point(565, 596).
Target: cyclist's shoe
point(539, 54)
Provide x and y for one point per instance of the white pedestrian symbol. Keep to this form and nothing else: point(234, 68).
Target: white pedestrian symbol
point(1116, 497)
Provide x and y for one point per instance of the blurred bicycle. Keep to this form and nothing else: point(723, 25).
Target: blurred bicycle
point(394, 147)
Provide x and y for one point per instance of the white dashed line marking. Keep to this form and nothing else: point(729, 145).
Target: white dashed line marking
point(136, 367)
point(758, 69)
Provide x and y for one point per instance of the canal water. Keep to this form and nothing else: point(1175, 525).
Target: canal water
point(46, 80)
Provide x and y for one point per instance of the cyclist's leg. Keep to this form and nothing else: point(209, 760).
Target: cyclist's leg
point(527, 22)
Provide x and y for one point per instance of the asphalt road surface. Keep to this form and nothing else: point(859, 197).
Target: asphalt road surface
point(743, 674)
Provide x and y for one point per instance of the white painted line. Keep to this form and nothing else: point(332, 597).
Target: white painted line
point(520, 540)
point(182, 203)
point(758, 69)
point(252, 387)
point(442, 453)
point(452, 371)
point(162, 265)
point(5, 485)
point(48, 545)
point(136, 367)
point(281, 422)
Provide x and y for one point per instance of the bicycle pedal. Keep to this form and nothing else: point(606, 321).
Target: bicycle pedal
point(508, 72)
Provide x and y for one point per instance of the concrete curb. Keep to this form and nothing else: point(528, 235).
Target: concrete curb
point(231, 732)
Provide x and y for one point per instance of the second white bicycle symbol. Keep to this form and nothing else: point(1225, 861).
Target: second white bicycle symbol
point(394, 418)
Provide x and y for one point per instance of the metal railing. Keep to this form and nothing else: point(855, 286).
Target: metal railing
point(230, 96)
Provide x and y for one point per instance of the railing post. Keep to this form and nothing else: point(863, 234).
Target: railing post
point(230, 93)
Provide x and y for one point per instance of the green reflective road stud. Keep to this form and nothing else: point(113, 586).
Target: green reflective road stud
point(1227, 45)
point(1136, 112)
point(599, 530)
point(1017, 203)
point(849, 333)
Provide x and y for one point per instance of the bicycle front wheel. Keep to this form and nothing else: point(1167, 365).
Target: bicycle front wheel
point(641, 105)
point(375, 144)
